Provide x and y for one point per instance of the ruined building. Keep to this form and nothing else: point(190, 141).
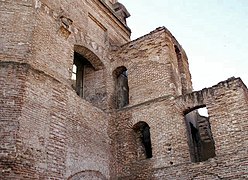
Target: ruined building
point(79, 100)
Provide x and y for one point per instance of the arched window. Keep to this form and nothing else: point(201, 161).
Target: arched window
point(143, 140)
point(87, 76)
point(121, 87)
point(200, 139)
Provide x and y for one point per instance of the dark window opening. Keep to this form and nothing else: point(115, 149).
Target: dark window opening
point(143, 140)
point(87, 77)
point(80, 64)
point(200, 139)
point(196, 145)
point(121, 87)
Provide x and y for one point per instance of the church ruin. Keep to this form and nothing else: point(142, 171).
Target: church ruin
point(80, 100)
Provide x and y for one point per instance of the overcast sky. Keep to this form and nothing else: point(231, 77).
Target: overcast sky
point(214, 34)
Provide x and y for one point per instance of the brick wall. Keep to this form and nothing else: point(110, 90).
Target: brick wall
point(152, 66)
point(227, 107)
point(12, 83)
point(48, 131)
point(17, 24)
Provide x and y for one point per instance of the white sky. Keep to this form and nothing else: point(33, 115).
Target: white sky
point(214, 34)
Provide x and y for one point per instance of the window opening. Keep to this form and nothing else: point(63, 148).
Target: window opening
point(74, 75)
point(88, 77)
point(121, 87)
point(203, 112)
point(78, 73)
point(143, 140)
point(201, 142)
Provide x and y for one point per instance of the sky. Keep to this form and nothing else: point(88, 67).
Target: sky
point(214, 34)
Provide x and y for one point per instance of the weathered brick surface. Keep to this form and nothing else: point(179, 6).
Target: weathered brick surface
point(153, 70)
point(48, 132)
point(169, 141)
point(12, 83)
point(17, 22)
point(45, 133)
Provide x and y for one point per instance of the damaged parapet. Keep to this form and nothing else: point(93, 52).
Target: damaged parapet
point(198, 99)
point(119, 9)
point(110, 2)
point(121, 12)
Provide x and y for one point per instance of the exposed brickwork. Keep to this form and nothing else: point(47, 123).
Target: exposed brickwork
point(171, 154)
point(151, 60)
point(47, 131)
point(12, 82)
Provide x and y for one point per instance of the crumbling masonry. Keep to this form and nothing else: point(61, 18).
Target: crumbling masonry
point(79, 100)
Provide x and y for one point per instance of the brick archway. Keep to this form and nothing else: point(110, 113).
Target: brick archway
point(90, 56)
point(87, 174)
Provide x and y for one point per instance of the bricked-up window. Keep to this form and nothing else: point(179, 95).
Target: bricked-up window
point(200, 139)
point(121, 87)
point(142, 140)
